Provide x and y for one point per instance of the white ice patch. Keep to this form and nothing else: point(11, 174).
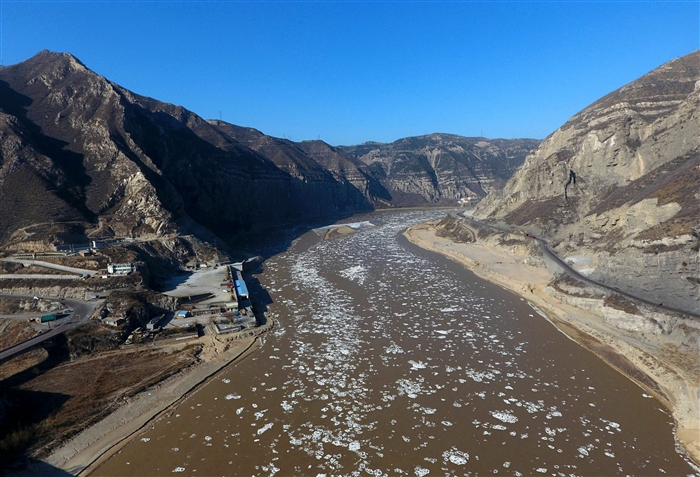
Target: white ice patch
point(266, 427)
point(455, 456)
point(479, 376)
point(417, 365)
point(504, 416)
point(611, 425)
point(408, 387)
point(450, 309)
point(357, 273)
point(420, 471)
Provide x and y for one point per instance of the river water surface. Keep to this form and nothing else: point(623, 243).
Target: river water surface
point(390, 360)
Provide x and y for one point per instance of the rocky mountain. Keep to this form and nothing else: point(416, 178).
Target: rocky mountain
point(442, 168)
point(617, 187)
point(83, 158)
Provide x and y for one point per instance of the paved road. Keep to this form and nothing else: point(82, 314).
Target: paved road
point(547, 252)
point(78, 271)
point(81, 312)
point(34, 276)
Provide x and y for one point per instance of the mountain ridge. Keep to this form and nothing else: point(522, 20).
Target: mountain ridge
point(77, 147)
point(618, 184)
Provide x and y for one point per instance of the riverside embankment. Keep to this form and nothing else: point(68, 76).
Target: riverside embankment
point(654, 349)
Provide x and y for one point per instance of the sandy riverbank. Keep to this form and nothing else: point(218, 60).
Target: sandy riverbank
point(677, 388)
point(85, 452)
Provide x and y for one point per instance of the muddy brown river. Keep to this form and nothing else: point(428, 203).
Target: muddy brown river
point(390, 360)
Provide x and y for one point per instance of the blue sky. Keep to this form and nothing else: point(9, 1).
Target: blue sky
point(350, 72)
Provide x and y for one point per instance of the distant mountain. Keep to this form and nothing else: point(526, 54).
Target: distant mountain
point(620, 183)
point(82, 157)
point(442, 167)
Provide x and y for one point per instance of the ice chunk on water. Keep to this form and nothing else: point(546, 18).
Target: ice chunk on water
point(504, 416)
point(265, 428)
point(455, 456)
point(420, 471)
point(417, 365)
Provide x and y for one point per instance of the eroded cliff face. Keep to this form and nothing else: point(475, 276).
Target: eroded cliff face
point(619, 185)
point(442, 168)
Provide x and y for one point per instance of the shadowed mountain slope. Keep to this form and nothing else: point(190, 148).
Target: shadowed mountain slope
point(80, 152)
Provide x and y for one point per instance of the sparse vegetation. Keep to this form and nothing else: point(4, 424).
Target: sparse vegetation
point(47, 407)
point(621, 303)
point(455, 229)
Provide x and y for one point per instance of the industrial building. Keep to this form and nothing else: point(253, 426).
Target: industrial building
point(120, 268)
point(153, 323)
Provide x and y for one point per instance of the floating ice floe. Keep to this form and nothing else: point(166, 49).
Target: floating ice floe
point(417, 365)
point(265, 428)
point(408, 387)
point(420, 471)
point(357, 273)
point(504, 416)
point(455, 456)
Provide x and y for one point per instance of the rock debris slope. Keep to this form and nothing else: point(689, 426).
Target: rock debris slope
point(617, 188)
point(83, 157)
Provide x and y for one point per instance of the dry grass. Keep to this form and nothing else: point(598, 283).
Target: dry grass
point(14, 331)
point(621, 303)
point(59, 399)
point(549, 212)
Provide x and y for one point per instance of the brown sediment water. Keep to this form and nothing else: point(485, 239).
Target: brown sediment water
point(390, 360)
